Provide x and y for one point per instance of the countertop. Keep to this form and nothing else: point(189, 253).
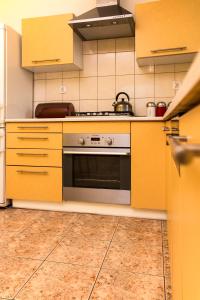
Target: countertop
point(88, 119)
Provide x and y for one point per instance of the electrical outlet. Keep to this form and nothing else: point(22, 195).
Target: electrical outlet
point(62, 89)
point(176, 85)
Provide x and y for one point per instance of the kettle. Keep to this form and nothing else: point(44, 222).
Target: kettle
point(123, 105)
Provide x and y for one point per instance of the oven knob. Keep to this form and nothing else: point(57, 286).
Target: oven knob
point(109, 141)
point(81, 141)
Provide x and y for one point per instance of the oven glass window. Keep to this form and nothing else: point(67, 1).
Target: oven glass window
point(95, 171)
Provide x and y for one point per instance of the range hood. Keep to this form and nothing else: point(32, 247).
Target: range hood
point(107, 20)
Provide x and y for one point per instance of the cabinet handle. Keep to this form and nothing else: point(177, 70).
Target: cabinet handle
point(169, 50)
point(31, 127)
point(182, 153)
point(32, 172)
point(46, 60)
point(33, 154)
point(32, 138)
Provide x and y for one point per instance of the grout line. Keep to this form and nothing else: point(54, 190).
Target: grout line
point(104, 259)
point(43, 261)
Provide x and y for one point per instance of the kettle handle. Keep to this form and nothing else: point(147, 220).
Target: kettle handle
point(122, 93)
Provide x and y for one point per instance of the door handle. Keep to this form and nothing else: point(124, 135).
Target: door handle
point(32, 172)
point(169, 49)
point(31, 127)
point(32, 138)
point(33, 154)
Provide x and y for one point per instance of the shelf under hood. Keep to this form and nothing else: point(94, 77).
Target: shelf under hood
point(104, 22)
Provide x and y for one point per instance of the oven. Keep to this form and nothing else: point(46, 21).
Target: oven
point(97, 168)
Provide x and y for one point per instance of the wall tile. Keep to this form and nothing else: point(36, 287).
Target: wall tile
point(88, 88)
point(89, 65)
point(40, 90)
point(105, 105)
point(180, 76)
point(144, 86)
point(125, 83)
point(140, 108)
point(125, 44)
point(164, 85)
point(90, 47)
point(54, 75)
point(164, 68)
point(106, 87)
point(76, 105)
point(88, 105)
point(143, 70)
point(39, 76)
point(124, 63)
point(53, 90)
point(71, 74)
point(106, 46)
point(106, 64)
point(72, 89)
point(182, 67)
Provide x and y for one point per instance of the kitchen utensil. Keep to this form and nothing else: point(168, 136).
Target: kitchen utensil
point(151, 109)
point(161, 108)
point(122, 105)
point(54, 110)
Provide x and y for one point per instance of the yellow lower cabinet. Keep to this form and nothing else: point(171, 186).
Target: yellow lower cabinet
point(34, 183)
point(34, 157)
point(148, 174)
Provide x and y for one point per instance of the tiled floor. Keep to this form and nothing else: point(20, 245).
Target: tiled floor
point(69, 256)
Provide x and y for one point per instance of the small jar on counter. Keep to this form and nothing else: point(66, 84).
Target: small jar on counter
point(151, 109)
point(161, 108)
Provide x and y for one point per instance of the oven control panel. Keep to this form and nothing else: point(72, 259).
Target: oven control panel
point(96, 140)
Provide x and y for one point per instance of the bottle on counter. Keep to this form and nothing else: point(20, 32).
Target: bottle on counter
point(161, 108)
point(151, 109)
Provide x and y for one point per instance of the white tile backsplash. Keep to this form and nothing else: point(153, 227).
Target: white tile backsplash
point(144, 86)
point(109, 67)
point(124, 63)
point(106, 87)
point(88, 88)
point(106, 64)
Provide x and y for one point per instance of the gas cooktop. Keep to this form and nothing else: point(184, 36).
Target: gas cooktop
point(103, 113)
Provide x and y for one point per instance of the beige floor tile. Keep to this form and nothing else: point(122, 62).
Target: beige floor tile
point(90, 218)
point(16, 224)
point(80, 251)
point(168, 288)
point(94, 230)
point(113, 285)
point(14, 272)
point(59, 281)
point(149, 239)
point(30, 245)
point(134, 257)
point(140, 225)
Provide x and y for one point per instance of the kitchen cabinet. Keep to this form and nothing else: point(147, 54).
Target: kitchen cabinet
point(34, 161)
point(166, 31)
point(148, 174)
point(49, 44)
point(183, 206)
point(96, 127)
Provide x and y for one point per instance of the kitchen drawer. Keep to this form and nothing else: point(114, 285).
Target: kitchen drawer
point(34, 157)
point(34, 140)
point(96, 127)
point(34, 127)
point(34, 183)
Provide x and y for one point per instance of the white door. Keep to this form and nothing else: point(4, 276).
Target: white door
point(2, 76)
point(2, 166)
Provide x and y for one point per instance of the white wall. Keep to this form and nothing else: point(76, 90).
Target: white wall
point(12, 11)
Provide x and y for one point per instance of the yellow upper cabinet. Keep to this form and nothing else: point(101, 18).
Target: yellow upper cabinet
point(166, 28)
point(49, 44)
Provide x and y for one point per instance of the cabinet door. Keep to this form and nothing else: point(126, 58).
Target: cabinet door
point(47, 41)
point(34, 183)
point(190, 196)
point(148, 172)
point(167, 27)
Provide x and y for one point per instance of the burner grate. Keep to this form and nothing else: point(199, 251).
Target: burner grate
point(103, 113)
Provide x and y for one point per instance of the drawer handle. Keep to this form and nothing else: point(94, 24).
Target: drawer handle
point(32, 138)
point(46, 60)
point(169, 50)
point(31, 127)
point(33, 154)
point(32, 172)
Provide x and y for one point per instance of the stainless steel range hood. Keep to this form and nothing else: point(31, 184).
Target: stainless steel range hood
point(107, 20)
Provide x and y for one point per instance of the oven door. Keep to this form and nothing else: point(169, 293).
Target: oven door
point(97, 175)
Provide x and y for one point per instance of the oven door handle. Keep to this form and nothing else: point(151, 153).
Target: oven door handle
point(97, 153)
